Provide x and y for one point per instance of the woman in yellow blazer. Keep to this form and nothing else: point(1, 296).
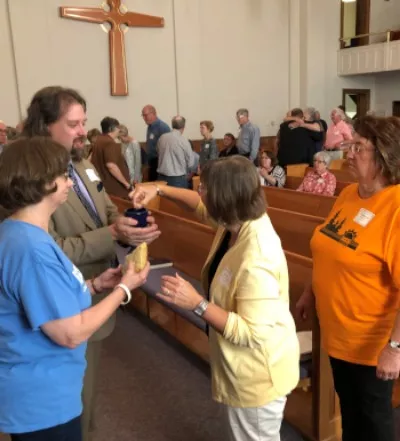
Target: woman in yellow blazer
point(254, 351)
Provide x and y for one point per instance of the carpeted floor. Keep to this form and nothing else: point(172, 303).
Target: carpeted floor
point(152, 389)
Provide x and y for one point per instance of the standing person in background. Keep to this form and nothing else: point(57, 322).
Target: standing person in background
point(208, 149)
point(155, 128)
point(175, 154)
point(108, 160)
point(248, 142)
point(338, 132)
point(91, 137)
point(132, 153)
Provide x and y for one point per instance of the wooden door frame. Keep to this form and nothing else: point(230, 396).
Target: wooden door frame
point(366, 92)
point(362, 21)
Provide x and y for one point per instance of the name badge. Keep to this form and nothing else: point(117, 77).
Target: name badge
point(92, 175)
point(151, 136)
point(207, 146)
point(363, 217)
point(226, 277)
point(320, 181)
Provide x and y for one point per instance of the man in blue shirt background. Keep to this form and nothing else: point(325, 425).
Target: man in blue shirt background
point(155, 128)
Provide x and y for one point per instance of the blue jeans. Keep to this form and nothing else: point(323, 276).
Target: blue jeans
point(175, 181)
point(70, 431)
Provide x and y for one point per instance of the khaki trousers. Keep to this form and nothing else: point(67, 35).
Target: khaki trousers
point(256, 423)
point(93, 353)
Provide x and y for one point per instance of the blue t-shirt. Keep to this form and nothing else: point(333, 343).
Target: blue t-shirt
point(40, 381)
point(154, 131)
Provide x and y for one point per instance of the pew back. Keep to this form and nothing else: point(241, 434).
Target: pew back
point(300, 202)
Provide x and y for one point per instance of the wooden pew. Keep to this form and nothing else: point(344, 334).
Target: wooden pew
point(313, 412)
point(293, 183)
point(296, 169)
point(307, 203)
point(294, 229)
point(288, 199)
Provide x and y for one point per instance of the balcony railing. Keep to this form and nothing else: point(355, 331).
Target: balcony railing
point(364, 39)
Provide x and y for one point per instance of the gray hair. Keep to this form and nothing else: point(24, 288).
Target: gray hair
point(340, 113)
point(312, 111)
point(324, 156)
point(178, 122)
point(242, 112)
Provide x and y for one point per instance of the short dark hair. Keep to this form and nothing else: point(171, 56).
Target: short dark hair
point(178, 122)
point(109, 124)
point(28, 167)
point(384, 135)
point(48, 105)
point(271, 155)
point(230, 135)
point(234, 193)
point(297, 112)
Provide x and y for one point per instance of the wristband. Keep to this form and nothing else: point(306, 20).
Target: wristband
point(127, 292)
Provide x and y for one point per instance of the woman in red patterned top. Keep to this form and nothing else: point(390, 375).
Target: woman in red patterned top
point(320, 180)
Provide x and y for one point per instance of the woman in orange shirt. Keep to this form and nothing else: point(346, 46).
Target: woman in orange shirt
point(356, 282)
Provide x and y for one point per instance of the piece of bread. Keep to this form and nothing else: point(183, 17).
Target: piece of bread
point(138, 256)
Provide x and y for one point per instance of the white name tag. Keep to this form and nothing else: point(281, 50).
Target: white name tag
point(151, 136)
point(207, 146)
point(364, 217)
point(92, 175)
point(226, 277)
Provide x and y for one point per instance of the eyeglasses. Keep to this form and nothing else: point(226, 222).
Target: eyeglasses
point(318, 161)
point(357, 147)
point(4, 131)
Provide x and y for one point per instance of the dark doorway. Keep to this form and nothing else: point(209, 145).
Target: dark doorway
point(355, 19)
point(396, 108)
point(356, 102)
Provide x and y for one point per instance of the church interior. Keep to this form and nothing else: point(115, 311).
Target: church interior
point(204, 60)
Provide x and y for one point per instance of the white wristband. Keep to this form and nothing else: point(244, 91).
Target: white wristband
point(127, 292)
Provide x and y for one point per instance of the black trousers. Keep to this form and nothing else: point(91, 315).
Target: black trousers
point(70, 431)
point(365, 402)
point(153, 165)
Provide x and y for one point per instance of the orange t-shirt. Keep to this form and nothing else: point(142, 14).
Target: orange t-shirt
point(356, 275)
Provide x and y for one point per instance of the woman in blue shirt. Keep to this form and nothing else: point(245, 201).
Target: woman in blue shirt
point(45, 312)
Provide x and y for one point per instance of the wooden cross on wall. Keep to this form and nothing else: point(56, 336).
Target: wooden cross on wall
point(116, 18)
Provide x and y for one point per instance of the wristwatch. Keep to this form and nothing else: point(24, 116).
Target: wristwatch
point(201, 308)
point(394, 344)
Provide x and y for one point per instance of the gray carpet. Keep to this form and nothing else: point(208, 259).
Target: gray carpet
point(153, 389)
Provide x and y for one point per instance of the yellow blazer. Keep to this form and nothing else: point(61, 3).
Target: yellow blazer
point(256, 360)
point(89, 248)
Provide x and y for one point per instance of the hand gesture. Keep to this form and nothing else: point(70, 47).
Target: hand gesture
point(142, 195)
point(305, 305)
point(108, 279)
point(132, 279)
point(179, 292)
point(388, 364)
point(126, 231)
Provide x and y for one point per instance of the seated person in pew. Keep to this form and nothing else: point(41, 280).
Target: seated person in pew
point(271, 174)
point(356, 282)
point(46, 316)
point(254, 350)
point(229, 146)
point(320, 180)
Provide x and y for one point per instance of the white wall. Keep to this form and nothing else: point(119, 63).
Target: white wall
point(387, 90)
point(384, 15)
point(210, 59)
point(9, 111)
